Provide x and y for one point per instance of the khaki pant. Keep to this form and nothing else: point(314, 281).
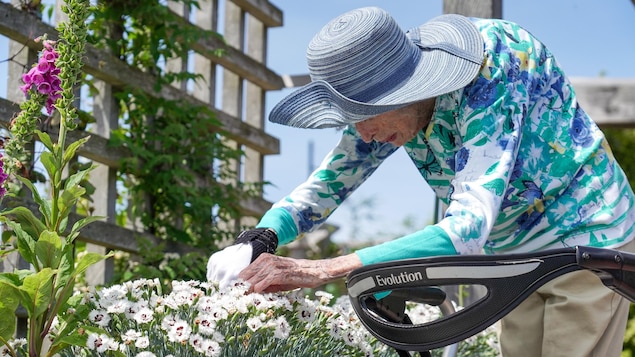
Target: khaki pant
point(574, 315)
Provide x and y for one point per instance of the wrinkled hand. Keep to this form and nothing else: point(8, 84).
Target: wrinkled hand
point(272, 273)
point(225, 265)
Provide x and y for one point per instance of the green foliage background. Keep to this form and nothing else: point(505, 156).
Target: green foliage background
point(180, 155)
point(622, 143)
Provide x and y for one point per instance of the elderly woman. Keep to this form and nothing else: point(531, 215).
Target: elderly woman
point(492, 123)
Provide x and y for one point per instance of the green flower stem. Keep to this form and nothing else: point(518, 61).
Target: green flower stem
point(8, 346)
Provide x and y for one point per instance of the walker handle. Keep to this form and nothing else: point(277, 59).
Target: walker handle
point(509, 279)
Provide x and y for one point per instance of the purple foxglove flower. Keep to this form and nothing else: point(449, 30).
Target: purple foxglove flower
point(43, 66)
point(56, 84)
point(50, 105)
point(37, 78)
point(26, 78)
point(44, 88)
point(25, 88)
point(50, 56)
point(3, 178)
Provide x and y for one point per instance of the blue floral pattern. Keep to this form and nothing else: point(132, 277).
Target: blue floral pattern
point(520, 166)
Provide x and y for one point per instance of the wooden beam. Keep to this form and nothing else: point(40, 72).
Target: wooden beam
point(263, 10)
point(99, 150)
point(609, 101)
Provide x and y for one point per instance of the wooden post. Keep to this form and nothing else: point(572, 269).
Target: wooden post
point(207, 19)
point(104, 178)
point(474, 8)
point(232, 83)
point(255, 105)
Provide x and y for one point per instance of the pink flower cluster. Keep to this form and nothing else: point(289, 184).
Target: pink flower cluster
point(44, 76)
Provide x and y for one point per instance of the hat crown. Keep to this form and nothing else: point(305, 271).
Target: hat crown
point(362, 54)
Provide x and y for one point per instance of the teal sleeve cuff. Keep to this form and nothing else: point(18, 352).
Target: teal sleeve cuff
point(431, 241)
point(279, 220)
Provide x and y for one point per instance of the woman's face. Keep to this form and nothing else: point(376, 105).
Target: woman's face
point(398, 126)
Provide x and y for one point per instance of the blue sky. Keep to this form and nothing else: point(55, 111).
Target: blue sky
point(588, 37)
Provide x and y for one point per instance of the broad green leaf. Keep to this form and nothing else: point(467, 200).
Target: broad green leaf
point(27, 220)
point(63, 224)
point(81, 224)
point(71, 149)
point(9, 300)
point(48, 160)
point(11, 278)
point(66, 265)
point(45, 205)
point(39, 290)
point(45, 139)
point(22, 274)
point(48, 249)
point(65, 340)
point(76, 178)
point(89, 259)
point(6, 236)
point(66, 292)
point(68, 200)
point(26, 243)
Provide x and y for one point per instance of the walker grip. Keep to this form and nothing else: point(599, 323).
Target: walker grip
point(509, 279)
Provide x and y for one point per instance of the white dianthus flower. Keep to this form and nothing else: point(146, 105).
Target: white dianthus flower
point(325, 297)
point(142, 342)
point(254, 323)
point(144, 315)
point(179, 332)
point(99, 317)
point(211, 348)
point(206, 324)
point(130, 335)
point(282, 329)
point(96, 342)
point(145, 354)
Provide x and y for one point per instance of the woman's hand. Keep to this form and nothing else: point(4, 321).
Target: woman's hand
point(271, 273)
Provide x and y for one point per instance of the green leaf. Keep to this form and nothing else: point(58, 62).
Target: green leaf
point(45, 138)
point(9, 300)
point(26, 243)
point(69, 199)
point(66, 265)
point(50, 164)
point(12, 278)
point(71, 149)
point(45, 206)
point(6, 236)
point(89, 259)
point(81, 224)
point(27, 220)
point(48, 249)
point(37, 292)
point(65, 340)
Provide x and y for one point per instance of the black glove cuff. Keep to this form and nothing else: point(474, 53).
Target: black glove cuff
point(262, 240)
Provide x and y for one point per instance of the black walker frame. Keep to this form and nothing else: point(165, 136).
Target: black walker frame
point(509, 280)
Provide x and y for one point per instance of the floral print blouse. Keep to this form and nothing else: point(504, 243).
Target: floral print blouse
point(520, 166)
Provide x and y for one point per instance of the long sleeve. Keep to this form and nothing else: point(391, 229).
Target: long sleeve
point(344, 169)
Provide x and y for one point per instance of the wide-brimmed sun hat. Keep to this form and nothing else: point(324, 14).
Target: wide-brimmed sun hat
point(362, 64)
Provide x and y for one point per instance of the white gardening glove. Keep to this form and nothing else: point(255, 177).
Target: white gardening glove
point(225, 265)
